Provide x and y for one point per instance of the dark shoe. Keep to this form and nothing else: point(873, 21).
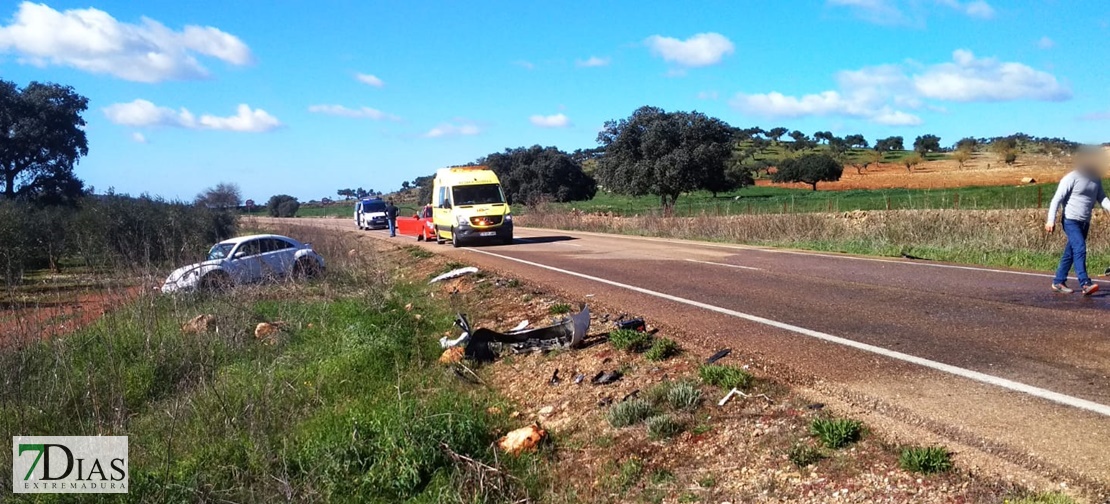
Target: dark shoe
point(1061, 288)
point(1090, 289)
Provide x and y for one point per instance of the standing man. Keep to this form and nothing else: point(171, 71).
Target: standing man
point(1079, 192)
point(391, 212)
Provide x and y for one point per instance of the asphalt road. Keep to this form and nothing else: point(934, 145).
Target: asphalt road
point(989, 359)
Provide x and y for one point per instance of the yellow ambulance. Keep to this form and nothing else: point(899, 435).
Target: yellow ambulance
point(468, 205)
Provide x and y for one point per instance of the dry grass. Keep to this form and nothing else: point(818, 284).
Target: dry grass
point(1013, 238)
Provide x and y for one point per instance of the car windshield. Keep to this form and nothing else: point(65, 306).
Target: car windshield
point(478, 194)
point(376, 206)
point(220, 251)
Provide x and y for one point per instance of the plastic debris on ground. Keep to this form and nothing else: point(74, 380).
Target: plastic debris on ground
point(469, 270)
point(484, 344)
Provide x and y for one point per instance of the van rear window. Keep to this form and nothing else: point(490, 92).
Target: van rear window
point(478, 194)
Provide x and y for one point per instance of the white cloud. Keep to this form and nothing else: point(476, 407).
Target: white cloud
point(593, 61)
point(700, 50)
point(550, 121)
point(708, 95)
point(887, 94)
point(138, 137)
point(457, 128)
point(245, 120)
point(93, 41)
point(969, 79)
point(912, 12)
point(1046, 43)
point(370, 80)
point(143, 113)
point(527, 65)
point(979, 9)
point(361, 112)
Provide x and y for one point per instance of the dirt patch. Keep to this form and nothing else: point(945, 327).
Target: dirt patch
point(53, 307)
point(984, 169)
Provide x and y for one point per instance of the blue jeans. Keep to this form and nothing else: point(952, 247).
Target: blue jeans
point(392, 227)
point(1075, 252)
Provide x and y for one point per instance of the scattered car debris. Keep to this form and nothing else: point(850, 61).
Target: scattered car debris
point(636, 324)
point(816, 406)
point(631, 395)
point(604, 401)
point(519, 327)
point(455, 273)
point(912, 257)
point(579, 378)
point(199, 324)
point(606, 377)
point(737, 392)
point(524, 439)
point(554, 378)
point(721, 354)
point(484, 344)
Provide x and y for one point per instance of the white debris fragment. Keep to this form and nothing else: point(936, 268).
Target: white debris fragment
point(448, 343)
point(454, 274)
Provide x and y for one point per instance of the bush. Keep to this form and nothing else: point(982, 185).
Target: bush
point(803, 454)
point(1043, 498)
point(629, 340)
point(662, 349)
point(684, 396)
point(282, 205)
point(107, 230)
point(629, 412)
point(727, 377)
point(664, 426)
point(559, 309)
point(925, 459)
point(836, 433)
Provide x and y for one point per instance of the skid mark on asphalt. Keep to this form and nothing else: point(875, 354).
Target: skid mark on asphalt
point(1008, 384)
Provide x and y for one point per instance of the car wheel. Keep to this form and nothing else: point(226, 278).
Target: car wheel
point(439, 237)
point(214, 282)
point(455, 242)
point(306, 267)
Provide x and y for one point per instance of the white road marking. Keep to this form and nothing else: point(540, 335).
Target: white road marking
point(1015, 386)
point(725, 265)
point(818, 254)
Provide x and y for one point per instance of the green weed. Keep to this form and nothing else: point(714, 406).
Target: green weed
point(662, 349)
point(630, 412)
point(684, 396)
point(803, 455)
point(726, 377)
point(925, 459)
point(559, 309)
point(836, 433)
point(664, 426)
point(629, 340)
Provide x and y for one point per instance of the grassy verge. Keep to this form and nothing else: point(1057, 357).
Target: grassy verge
point(342, 404)
point(1005, 238)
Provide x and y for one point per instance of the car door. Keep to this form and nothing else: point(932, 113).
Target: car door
point(246, 261)
point(277, 257)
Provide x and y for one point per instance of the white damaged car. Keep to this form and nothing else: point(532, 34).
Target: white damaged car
point(247, 259)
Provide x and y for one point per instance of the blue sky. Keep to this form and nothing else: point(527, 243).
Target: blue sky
point(306, 97)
